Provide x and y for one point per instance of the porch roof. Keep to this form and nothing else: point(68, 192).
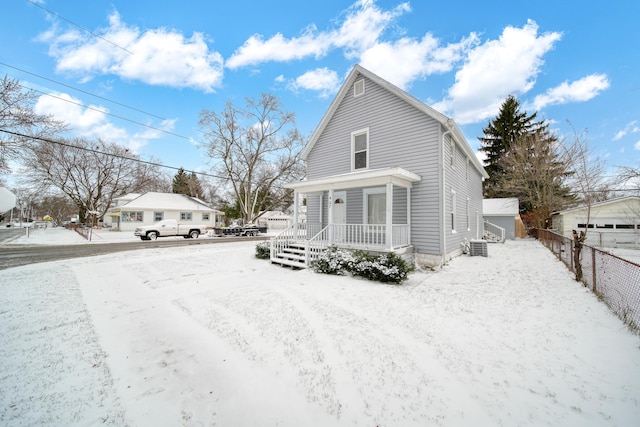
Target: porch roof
point(368, 178)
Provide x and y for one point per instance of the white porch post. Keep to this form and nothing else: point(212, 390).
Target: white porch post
point(389, 215)
point(295, 214)
point(409, 215)
point(330, 216)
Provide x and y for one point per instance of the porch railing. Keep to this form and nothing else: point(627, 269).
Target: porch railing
point(300, 233)
point(495, 231)
point(353, 236)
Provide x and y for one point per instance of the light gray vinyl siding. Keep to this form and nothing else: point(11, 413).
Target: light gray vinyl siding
point(399, 205)
point(465, 188)
point(402, 136)
point(399, 136)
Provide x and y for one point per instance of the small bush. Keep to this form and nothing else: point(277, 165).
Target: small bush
point(386, 268)
point(333, 261)
point(263, 250)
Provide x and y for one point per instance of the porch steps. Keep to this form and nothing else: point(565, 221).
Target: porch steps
point(292, 256)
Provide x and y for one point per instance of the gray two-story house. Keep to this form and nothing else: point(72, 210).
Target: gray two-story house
point(385, 172)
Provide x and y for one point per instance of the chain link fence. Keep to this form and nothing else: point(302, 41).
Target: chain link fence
point(613, 279)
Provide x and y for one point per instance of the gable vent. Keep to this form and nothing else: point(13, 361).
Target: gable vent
point(358, 88)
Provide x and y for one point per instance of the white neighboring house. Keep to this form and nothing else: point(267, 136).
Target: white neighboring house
point(612, 223)
point(133, 210)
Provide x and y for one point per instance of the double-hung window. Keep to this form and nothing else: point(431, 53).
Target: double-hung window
point(360, 149)
point(186, 216)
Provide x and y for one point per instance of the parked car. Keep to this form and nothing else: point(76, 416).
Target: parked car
point(169, 227)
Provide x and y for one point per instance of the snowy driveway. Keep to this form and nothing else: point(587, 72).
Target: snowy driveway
point(212, 336)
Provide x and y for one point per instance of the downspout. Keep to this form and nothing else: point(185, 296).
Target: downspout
point(443, 240)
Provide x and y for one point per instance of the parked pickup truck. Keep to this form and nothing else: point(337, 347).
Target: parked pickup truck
point(169, 227)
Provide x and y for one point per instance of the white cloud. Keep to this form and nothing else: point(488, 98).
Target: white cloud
point(419, 58)
point(580, 90)
point(92, 121)
point(157, 57)
point(631, 127)
point(361, 28)
point(495, 69)
point(322, 80)
point(637, 145)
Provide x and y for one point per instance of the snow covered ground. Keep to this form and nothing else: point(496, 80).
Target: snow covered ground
point(209, 335)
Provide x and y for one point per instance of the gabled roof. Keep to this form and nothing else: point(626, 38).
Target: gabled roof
point(357, 71)
point(166, 201)
point(498, 207)
point(598, 204)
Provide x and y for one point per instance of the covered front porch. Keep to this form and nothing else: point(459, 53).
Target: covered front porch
point(368, 210)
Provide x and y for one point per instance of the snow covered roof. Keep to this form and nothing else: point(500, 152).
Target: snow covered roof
point(167, 201)
point(505, 207)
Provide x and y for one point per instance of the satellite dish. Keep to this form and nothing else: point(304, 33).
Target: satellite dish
point(7, 200)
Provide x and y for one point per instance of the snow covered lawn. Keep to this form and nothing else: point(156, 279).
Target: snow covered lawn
point(209, 335)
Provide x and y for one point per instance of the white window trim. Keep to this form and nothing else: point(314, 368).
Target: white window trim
point(453, 212)
point(453, 153)
point(364, 131)
point(188, 216)
point(467, 169)
point(365, 201)
point(468, 214)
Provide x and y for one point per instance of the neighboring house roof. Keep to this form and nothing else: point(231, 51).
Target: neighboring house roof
point(599, 204)
point(166, 201)
point(500, 207)
point(358, 70)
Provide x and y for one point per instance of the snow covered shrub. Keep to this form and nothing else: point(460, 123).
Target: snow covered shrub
point(333, 261)
point(263, 250)
point(386, 268)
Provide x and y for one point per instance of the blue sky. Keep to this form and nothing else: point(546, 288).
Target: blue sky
point(160, 63)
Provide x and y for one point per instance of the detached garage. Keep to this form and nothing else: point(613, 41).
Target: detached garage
point(612, 223)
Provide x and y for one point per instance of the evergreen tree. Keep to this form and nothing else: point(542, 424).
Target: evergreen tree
point(181, 183)
point(500, 135)
point(195, 187)
point(189, 184)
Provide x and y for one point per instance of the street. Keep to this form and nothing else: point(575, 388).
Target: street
point(16, 255)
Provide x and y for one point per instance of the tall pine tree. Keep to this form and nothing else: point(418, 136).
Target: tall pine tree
point(500, 135)
point(181, 183)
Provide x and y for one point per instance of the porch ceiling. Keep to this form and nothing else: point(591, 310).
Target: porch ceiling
point(368, 178)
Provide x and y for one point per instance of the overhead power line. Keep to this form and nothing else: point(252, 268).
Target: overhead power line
point(81, 90)
point(118, 156)
point(110, 114)
point(79, 26)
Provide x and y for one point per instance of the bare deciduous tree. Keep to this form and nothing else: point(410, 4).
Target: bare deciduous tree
point(19, 123)
point(535, 173)
point(90, 173)
point(254, 150)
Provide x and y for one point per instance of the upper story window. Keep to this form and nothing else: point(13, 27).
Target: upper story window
point(360, 149)
point(358, 88)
